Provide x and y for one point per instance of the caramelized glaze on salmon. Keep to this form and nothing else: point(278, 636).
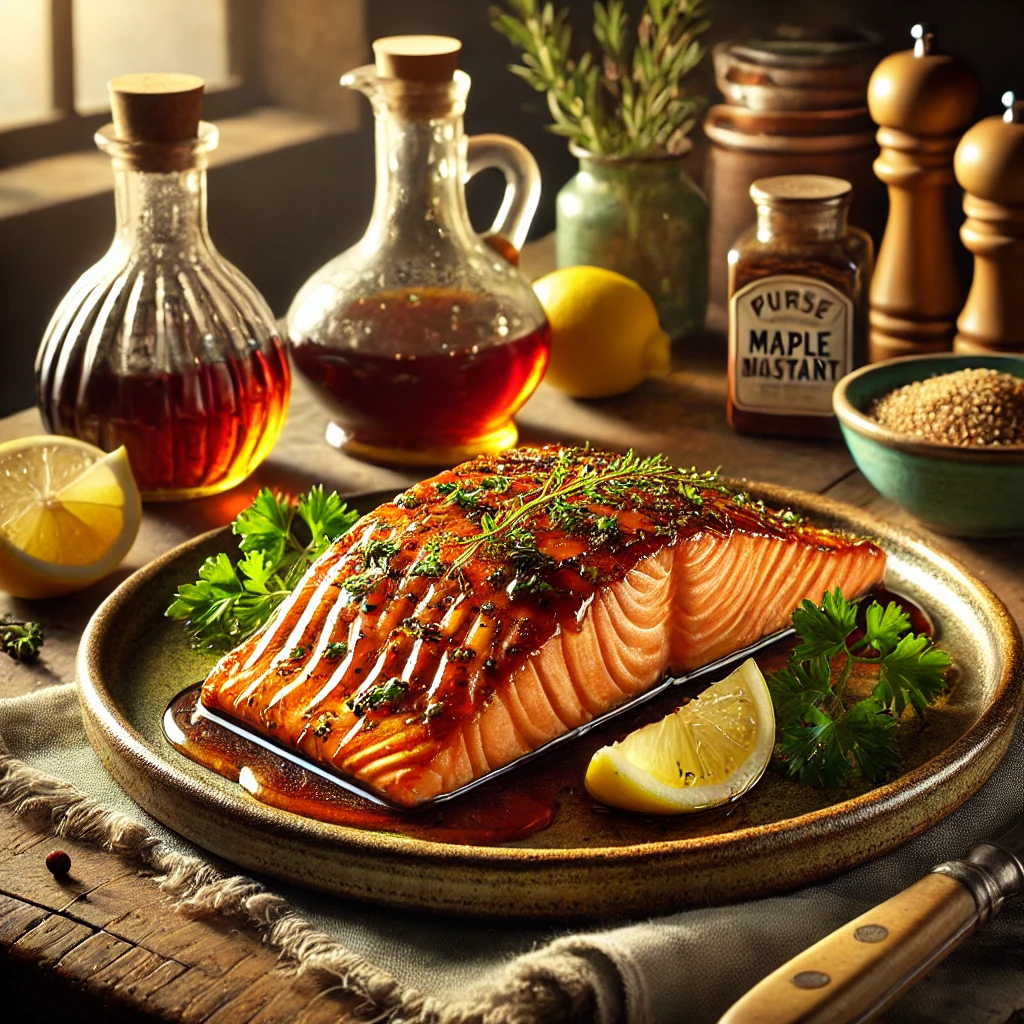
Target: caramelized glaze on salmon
point(503, 603)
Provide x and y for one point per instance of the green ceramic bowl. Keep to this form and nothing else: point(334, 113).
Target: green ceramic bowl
point(966, 492)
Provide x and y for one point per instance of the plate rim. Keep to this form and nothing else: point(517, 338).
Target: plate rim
point(101, 714)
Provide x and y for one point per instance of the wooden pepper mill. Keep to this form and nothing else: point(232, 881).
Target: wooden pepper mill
point(989, 165)
point(921, 101)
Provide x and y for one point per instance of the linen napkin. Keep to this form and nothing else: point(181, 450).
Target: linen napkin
point(688, 966)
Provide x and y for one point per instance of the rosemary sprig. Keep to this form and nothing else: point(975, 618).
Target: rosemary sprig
point(628, 99)
point(571, 477)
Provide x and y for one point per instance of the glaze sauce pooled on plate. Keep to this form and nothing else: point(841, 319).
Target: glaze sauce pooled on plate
point(480, 820)
point(510, 807)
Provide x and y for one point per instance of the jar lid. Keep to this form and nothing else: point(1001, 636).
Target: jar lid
point(800, 188)
point(804, 46)
point(792, 67)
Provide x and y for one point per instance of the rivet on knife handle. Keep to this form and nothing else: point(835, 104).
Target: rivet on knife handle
point(856, 972)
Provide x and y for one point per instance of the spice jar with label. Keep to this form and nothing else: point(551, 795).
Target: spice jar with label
point(798, 284)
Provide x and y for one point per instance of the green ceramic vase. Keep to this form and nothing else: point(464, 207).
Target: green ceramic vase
point(644, 218)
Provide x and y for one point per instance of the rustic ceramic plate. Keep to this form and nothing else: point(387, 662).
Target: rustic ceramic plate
point(589, 861)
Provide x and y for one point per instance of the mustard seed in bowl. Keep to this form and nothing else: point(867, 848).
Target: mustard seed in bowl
point(967, 408)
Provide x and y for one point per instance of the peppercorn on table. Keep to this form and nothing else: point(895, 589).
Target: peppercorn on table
point(104, 943)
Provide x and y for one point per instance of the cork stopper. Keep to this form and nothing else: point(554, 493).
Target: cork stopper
point(417, 58)
point(922, 91)
point(800, 188)
point(156, 108)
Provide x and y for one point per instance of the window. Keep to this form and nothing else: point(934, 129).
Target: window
point(56, 57)
point(25, 56)
point(110, 37)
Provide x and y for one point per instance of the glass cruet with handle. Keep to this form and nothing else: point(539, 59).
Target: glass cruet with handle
point(163, 346)
point(424, 338)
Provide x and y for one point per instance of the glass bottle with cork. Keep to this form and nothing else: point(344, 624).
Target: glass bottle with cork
point(424, 339)
point(798, 283)
point(163, 346)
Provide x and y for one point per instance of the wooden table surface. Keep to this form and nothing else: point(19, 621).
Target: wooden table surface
point(108, 946)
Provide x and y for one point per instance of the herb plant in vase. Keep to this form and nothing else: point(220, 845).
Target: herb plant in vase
point(627, 114)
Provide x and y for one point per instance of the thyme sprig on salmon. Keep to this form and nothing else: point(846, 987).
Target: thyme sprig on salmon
point(823, 738)
point(565, 493)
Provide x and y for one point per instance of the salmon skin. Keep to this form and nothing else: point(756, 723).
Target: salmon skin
point(493, 608)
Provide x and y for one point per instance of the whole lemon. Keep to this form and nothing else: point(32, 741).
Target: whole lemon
point(605, 335)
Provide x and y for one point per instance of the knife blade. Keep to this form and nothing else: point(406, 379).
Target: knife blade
point(855, 973)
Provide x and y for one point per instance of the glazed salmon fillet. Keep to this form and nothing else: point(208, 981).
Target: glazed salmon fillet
point(503, 603)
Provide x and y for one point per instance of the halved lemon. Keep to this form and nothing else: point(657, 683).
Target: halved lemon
point(706, 753)
point(69, 512)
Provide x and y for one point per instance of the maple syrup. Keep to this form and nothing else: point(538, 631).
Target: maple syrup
point(163, 346)
point(199, 430)
point(425, 380)
point(478, 820)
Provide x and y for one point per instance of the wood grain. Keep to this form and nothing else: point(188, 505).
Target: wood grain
point(839, 979)
point(168, 968)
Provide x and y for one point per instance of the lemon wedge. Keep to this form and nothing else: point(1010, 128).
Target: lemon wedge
point(605, 335)
point(69, 512)
point(706, 753)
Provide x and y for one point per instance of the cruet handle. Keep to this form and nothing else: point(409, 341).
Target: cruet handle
point(522, 182)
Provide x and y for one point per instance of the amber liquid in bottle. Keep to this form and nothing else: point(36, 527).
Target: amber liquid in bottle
point(457, 391)
point(188, 430)
point(807, 249)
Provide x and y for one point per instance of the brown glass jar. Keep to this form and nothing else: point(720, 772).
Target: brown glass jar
point(798, 286)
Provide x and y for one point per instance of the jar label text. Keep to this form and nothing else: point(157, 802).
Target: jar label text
point(790, 340)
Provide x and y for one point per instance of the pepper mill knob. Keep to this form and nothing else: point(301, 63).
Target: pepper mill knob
point(1014, 113)
point(921, 101)
point(989, 165)
point(924, 38)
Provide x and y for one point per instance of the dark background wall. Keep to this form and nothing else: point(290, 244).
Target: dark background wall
point(281, 215)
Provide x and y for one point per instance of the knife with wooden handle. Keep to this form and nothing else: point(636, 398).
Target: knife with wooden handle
point(860, 969)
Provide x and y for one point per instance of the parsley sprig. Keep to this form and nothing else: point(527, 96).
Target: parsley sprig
point(280, 539)
point(824, 740)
